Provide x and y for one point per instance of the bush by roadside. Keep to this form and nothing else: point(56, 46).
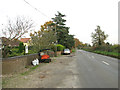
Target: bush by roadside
point(112, 54)
point(60, 47)
point(73, 50)
point(15, 52)
point(108, 50)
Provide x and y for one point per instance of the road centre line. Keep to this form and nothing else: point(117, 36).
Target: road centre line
point(105, 63)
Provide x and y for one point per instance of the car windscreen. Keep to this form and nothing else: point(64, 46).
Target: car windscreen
point(66, 50)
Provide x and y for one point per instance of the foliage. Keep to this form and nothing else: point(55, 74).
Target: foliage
point(30, 69)
point(15, 52)
point(60, 47)
point(79, 47)
point(21, 47)
point(62, 31)
point(78, 43)
point(17, 28)
point(47, 26)
point(14, 30)
point(53, 47)
point(6, 51)
point(59, 19)
point(73, 50)
point(112, 54)
point(69, 42)
point(106, 49)
point(44, 38)
point(98, 37)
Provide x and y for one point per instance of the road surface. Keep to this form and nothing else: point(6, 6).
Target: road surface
point(96, 71)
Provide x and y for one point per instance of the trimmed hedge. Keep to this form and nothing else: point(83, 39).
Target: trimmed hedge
point(60, 47)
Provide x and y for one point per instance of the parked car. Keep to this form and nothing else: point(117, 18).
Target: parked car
point(66, 51)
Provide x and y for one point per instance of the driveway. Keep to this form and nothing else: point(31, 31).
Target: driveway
point(47, 75)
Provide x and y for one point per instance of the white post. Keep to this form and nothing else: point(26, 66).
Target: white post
point(26, 49)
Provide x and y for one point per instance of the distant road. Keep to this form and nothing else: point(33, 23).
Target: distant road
point(96, 71)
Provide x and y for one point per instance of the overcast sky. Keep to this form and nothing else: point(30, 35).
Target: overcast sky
point(82, 15)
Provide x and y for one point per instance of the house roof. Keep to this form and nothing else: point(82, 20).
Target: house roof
point(24, 40)
point(6, 41)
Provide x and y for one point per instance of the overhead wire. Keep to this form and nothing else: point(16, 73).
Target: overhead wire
point(36, 9)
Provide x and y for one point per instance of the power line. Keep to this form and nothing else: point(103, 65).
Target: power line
point(36, 9)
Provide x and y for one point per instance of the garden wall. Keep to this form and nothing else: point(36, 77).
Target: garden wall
point(17, 64)
point(58, 53)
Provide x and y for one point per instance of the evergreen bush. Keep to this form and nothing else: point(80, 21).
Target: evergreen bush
point(60, 47)
point(21, 47)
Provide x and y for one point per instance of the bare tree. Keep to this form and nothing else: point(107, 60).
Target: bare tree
point(17, 28)
point(13, 31)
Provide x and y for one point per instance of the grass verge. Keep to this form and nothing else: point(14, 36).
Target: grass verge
point(73, 50)
point(111, 54)
point(31, 69)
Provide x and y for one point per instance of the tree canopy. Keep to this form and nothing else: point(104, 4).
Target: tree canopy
point(15, 29)
point(62, 31)
point(98, 37)
point(44, 38)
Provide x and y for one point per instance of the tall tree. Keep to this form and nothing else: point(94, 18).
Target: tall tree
point(62, 31)
point(98, 37)
point(70, 41)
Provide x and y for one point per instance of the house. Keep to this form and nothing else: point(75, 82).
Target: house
point(6, 41)
point(26, 41)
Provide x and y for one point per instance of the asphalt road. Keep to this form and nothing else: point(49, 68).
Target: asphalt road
point(96, 71)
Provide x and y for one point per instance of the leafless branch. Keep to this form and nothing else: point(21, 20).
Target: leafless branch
point(17, 28)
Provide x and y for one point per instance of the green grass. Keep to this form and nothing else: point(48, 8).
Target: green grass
point(31, 69)
point(31, 52)
point(15, 52)
point(112, 54)
point(73, 50)
point(4, 82)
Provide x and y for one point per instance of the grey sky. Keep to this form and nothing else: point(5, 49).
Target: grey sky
point(82, 15)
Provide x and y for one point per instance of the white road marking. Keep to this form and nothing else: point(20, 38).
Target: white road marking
point(105, 63)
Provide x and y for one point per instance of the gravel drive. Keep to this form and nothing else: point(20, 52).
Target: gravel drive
point(60, 73)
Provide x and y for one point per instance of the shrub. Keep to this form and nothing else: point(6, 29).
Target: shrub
point(73, 50)
point(60, 47)
point(6, 51)
point(53, 48)
point(21, 47)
